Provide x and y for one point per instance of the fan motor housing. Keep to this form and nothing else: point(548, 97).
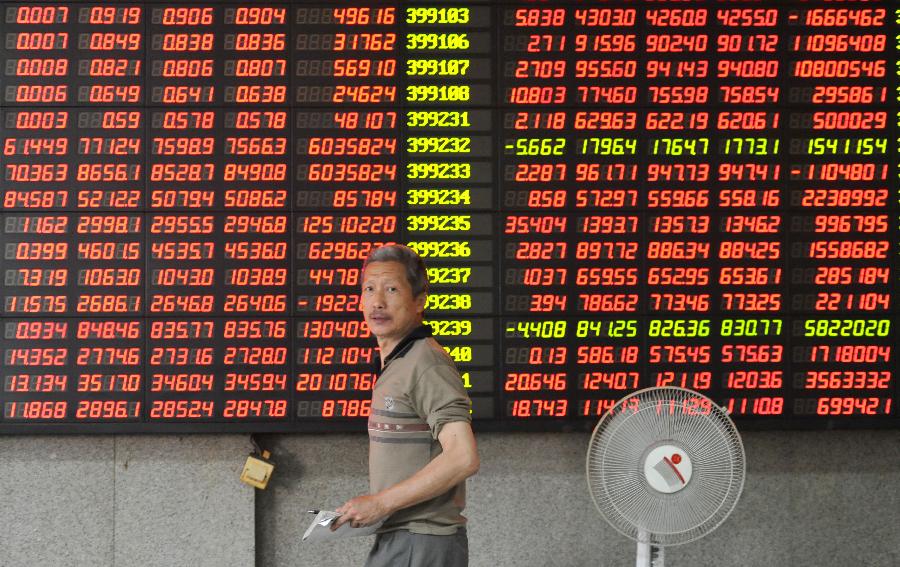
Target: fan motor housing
point(668, 468)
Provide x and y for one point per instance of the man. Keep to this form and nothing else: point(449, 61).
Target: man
point(421, 446)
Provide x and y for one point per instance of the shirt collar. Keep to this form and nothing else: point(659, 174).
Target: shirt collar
point(421, 332)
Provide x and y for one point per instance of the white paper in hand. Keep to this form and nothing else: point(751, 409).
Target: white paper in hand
point(320, 528)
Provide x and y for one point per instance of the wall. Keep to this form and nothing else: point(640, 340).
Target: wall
point(811, 499)
point(124, 501)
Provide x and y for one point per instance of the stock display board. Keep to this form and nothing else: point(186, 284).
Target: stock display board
point(609, 196)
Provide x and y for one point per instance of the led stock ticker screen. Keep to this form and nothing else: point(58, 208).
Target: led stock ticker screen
point(609, 196)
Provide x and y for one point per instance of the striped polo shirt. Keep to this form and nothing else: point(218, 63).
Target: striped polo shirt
point(418, 391)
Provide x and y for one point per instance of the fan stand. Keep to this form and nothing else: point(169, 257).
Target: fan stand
point(649, 555)
point(667, 469)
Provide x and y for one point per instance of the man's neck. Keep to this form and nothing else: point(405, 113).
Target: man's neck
point(386, 346)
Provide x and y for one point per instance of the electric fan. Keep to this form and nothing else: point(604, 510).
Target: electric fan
point(665, 466)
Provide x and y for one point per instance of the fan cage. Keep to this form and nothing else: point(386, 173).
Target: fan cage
point(636, 425)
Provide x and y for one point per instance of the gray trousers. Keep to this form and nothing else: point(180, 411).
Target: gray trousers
point(404, 549)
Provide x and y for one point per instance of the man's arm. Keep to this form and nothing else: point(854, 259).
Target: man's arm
point(458, 461)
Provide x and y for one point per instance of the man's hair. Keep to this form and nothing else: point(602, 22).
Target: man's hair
point(416, 274)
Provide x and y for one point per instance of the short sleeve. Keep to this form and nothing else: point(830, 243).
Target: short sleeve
point(439, 397)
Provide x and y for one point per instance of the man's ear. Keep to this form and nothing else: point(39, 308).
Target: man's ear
point(420, 303)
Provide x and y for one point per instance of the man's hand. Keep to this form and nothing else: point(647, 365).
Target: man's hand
point(360, 512)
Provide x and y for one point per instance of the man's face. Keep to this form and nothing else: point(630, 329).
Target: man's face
point(388, 304)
